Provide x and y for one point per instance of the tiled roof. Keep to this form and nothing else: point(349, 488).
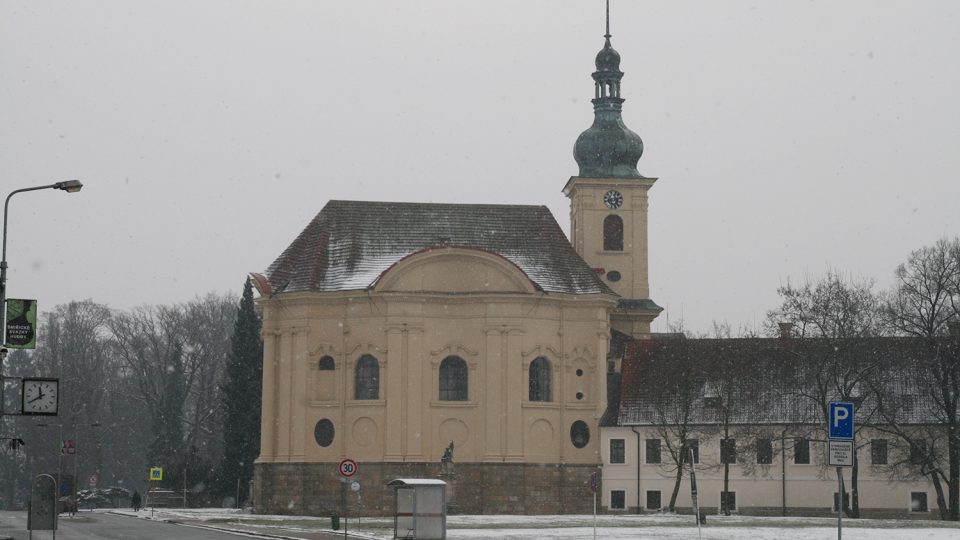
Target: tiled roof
point(349, 244)
point(771, 381)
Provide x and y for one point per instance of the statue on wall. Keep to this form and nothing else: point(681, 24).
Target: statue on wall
point(447, 455)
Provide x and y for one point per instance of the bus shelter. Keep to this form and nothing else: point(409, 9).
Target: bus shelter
point(420, 508)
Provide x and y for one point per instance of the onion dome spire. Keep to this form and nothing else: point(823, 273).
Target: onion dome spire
point(608, 149)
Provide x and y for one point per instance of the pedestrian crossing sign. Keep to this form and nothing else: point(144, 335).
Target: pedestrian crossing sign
point(156, 473)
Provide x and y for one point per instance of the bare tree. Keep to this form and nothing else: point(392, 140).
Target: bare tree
point(917, 394)
point(924, 302)
point(926, 294)
point(732, 389)
point(833, 306)
point(673, 389)
point(836, 311)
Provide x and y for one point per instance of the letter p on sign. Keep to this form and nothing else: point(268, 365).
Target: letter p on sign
point(841, 420)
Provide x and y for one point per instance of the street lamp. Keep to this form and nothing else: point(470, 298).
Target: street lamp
point(59, 454)
point(76, 452)
point(70, 186)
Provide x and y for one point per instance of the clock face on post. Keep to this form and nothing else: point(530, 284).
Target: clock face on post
point(613, 199)
point(40, 396)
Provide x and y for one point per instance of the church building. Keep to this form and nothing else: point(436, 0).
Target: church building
point(466, 342)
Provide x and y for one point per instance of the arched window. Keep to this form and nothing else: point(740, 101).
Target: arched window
point(540, 379)
point(327, 364)
point(453, 379)
point(612, 233)
point(368, 378)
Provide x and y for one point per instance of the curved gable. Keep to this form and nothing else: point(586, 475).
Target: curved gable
point(454, 270)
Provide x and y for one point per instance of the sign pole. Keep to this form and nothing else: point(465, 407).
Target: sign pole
point(840, 505)
point(841, 448)
point(593, 488)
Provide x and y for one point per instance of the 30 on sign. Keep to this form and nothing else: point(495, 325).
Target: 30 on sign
point(348, 468)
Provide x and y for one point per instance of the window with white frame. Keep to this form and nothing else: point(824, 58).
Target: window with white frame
point(918, 501)
point(728, 501)
point(728, 451)
point(878, 451)
point(654, 500)
point(764, 451)
point(801, 451)
point(653, 451)
point(618, 498)
point(836, 500)
point(618, 451)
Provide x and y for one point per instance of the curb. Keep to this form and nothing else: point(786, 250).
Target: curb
point(331, 534)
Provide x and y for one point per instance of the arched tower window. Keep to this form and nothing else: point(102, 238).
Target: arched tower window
point(540, 379)
point(327, 364)
point(613, 233)
point(368, 378)
point(453, 379)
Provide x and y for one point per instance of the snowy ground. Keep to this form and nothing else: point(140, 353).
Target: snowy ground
point(568, 527)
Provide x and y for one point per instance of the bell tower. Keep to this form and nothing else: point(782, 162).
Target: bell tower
point(608, 200)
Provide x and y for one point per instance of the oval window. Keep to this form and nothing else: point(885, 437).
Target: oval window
point(323, 432)
point(579, 434)
point(613, 275)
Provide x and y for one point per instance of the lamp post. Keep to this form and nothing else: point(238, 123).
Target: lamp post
point(59, 453)
point(76, 452)
point(70, 186)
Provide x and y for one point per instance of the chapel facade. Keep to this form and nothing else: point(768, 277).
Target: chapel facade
point(463, 342)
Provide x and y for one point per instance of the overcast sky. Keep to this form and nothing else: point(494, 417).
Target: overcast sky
point(788, 137)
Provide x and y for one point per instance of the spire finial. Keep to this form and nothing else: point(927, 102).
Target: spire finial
point(607, 35)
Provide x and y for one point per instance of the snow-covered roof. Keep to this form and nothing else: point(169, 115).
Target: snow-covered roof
point(349, 244)
point(416, 482)
point(777, 381)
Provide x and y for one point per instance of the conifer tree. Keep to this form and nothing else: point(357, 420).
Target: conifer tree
point(241, 394)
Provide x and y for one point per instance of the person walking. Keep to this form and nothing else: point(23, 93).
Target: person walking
point(136, 501)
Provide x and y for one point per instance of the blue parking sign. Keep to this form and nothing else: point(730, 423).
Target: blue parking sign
point(840, 423)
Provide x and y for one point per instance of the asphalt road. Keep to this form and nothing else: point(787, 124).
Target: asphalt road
point(102, 526)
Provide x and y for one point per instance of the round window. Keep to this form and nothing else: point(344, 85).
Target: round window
point(579, 395)
point(323, 432)
point(579, 373)
point(613, 275)
point(579, 434)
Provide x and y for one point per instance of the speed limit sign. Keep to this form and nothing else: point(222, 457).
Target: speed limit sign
point(348, 468)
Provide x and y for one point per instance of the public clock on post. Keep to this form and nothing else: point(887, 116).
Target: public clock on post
point(40, 396)
point(613, 199)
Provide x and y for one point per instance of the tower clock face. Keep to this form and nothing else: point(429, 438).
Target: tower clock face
point(40, 396)
point(613, 199)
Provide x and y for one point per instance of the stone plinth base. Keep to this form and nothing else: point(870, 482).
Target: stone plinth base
point(480, 488)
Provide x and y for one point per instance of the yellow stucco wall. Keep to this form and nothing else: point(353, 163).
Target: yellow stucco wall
point(808, 486)
point(443, 302)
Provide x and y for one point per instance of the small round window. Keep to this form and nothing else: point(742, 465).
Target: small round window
point(579, 434)
point(613, 275)
point(323, 432)
point(579, 373)
point(579, 395)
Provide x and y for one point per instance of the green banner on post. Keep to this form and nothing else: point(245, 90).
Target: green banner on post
point(21, 324)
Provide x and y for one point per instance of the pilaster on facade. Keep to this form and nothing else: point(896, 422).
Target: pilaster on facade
point(395, 395)
point(493, 409)
point(300, 338)
point(417, 413)
point(268, 416)
point(514, 374)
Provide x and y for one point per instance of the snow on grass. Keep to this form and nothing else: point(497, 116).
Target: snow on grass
point(612, 527)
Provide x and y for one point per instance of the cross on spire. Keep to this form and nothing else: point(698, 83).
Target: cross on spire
point(607, 35)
